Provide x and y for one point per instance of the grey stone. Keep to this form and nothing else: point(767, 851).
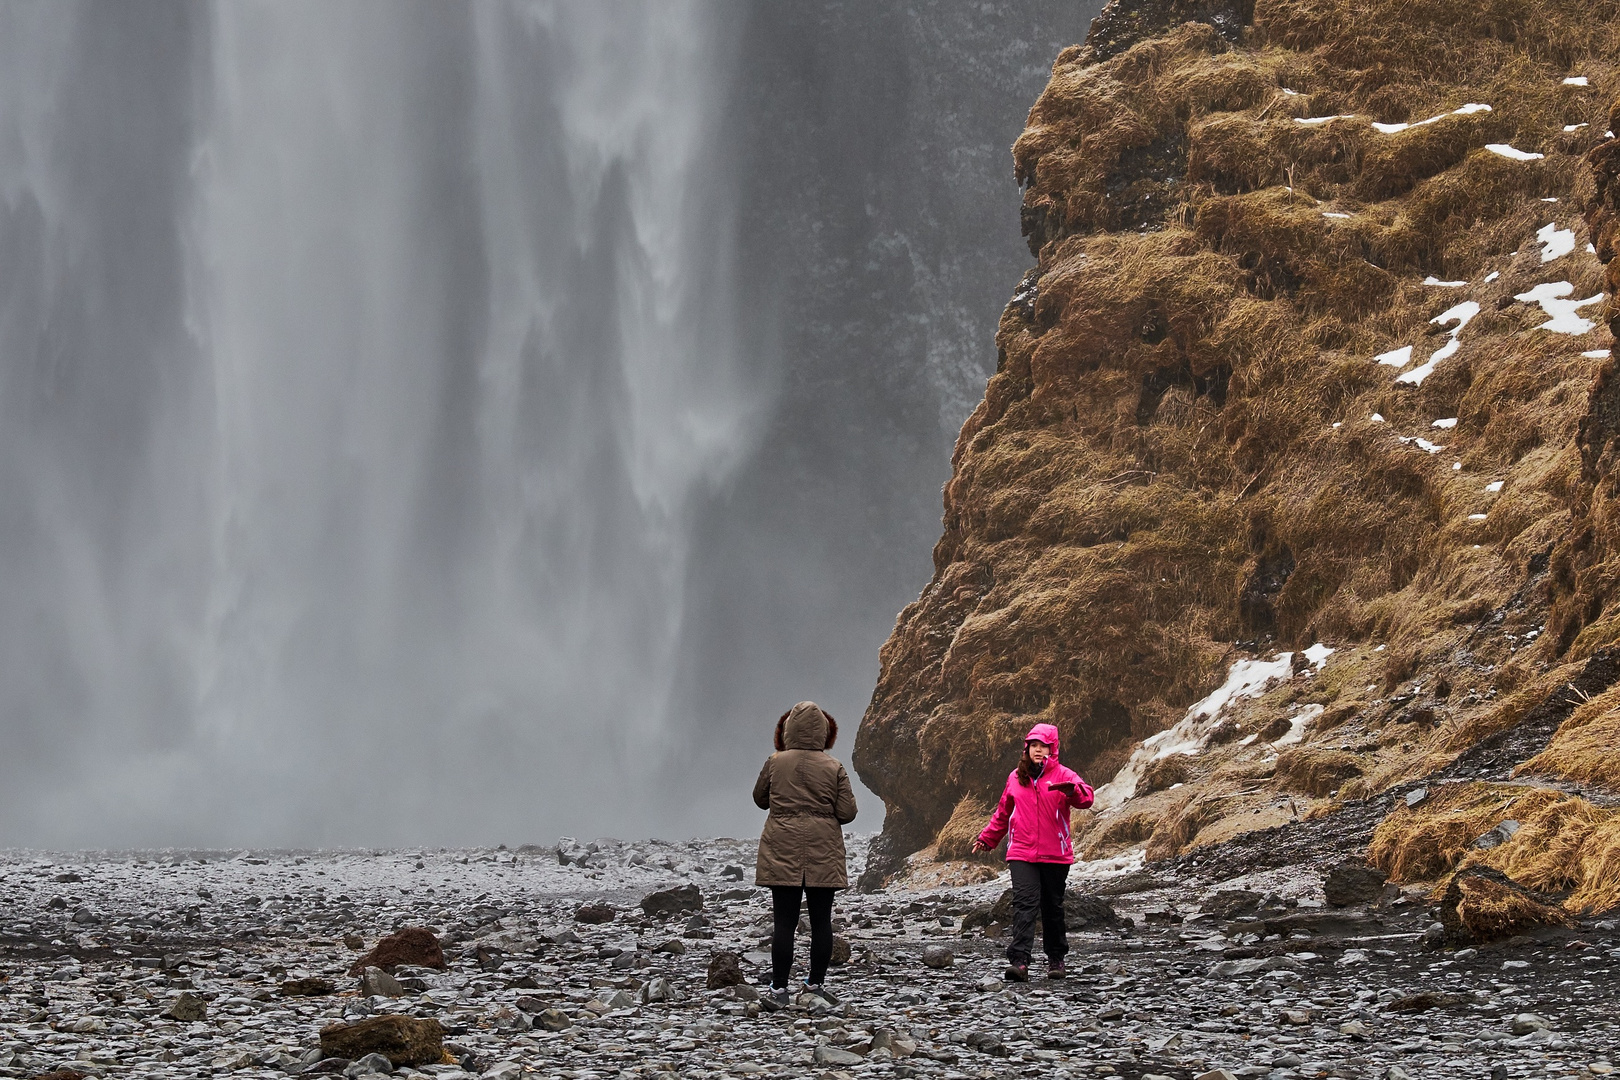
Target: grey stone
point(371, 1063)
point(1524, 1023)
point(832, 1055)
point(554, 1020)
point(657, 989)
point(938, 956)
point(375, 982)
point(676, 901)
point(187, 1008)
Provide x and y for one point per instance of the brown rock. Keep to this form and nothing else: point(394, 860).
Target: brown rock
point(725, 969)
point(62, 1074)
point(841, 951)
point(403, 1040)
point(594, 914)
point(413, 945)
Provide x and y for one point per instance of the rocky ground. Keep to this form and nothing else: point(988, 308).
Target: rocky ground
point(188, 964)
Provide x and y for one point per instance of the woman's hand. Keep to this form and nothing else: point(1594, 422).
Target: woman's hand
point(1067, 787)
point(979, 846)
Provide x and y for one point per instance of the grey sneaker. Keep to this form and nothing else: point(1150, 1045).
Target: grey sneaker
point(773, 999)
point(1017, 973)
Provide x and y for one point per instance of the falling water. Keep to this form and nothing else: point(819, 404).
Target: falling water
point(440, 354)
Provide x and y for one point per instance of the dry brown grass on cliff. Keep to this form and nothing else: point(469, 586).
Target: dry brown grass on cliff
point(967, 821)
point(1564, 844)
point(1586, 747)
point(1423, 843)
point(1317, 771)
point(1161, 424)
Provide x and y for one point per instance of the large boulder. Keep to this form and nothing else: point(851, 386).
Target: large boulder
point(681, 900)
point(403, 1040)
point(1353, 882)
point(1481, 905)
point(414, 945)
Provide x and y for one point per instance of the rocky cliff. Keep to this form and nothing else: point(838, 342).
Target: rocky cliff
point(1295, 481)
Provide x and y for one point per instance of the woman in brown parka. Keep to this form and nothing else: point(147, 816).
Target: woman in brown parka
point(802, 848)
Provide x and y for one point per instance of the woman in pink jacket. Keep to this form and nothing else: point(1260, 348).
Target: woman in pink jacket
point(1036, 804)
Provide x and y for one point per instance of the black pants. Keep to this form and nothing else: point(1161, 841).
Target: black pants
point(1038, 889)
point(785, 905)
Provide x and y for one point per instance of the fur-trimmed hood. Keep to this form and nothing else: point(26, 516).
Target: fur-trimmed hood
point(806, 727)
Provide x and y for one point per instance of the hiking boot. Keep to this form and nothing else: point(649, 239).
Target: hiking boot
point(1017, 973)
point(821, 991)
point(1056, 970)
point(774, 1000)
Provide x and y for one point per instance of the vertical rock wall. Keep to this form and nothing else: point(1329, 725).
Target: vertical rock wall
point(1306, 357)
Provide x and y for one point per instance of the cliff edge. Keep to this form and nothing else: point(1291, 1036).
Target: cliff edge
point(1295, 481)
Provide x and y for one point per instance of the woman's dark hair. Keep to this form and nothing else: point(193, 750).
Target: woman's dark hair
point(1026, 767)
point(832, 730)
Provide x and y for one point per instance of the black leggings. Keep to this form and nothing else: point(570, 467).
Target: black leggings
point(1038, 891)
point(785, 904)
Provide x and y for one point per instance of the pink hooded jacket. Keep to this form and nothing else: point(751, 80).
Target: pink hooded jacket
point(1039, 816)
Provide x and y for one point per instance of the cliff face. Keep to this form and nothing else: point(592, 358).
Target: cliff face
point(1312, 354)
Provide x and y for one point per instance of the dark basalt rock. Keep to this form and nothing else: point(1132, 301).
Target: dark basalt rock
point(1353, 882)
point(683, 899)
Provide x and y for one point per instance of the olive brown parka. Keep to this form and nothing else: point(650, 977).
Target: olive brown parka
point(808, 794)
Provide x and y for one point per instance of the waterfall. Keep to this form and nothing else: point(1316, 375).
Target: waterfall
point(394, 518)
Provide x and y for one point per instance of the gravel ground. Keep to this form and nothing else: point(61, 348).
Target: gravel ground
point(95, 948)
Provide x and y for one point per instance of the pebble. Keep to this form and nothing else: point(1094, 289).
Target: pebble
point(530, 990)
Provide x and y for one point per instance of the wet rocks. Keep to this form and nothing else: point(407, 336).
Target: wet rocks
point(938, 957)
point(414, 945)
point(1352, 882)
point(681, 900)
point(832, 1055)
point(553, 1020)
point(403, 1040)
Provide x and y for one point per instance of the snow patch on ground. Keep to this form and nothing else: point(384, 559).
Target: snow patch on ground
point(1298, 724)
point(1513, 153)
point(1391, 129)
point(1562, 317)
point(1245, 679)
point(1555, 242)
point(1448, 422)
point(1462, 314)
point(1396, 357)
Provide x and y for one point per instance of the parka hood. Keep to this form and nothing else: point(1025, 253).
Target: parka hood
point(806, 727)
point(1047, 734)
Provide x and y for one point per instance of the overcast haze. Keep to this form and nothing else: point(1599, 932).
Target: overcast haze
point(430, 423)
